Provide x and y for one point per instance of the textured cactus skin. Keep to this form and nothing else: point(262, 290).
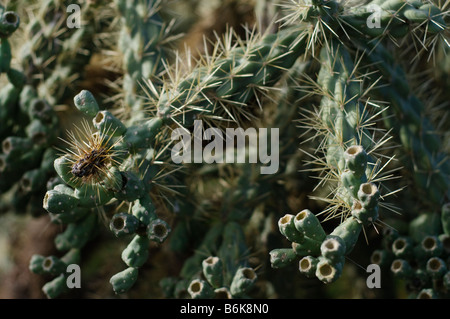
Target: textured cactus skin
point(223, 230)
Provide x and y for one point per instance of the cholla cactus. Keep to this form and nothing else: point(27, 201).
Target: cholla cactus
point(326, 82)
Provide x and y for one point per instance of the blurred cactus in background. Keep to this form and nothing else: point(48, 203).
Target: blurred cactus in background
point(348, 104)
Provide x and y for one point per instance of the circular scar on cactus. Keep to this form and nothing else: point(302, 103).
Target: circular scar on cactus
point(91, 155)
point(9, 22)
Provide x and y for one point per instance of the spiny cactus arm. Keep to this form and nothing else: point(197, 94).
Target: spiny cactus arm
point(86, 190)
point(373, 20)
point(348, 143)
point(140, 42)
point(345, 147)
point(221, 85)
point(414, 129)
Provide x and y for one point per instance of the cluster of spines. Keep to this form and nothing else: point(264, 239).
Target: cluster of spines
point(91, 176)
point(220, 86)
